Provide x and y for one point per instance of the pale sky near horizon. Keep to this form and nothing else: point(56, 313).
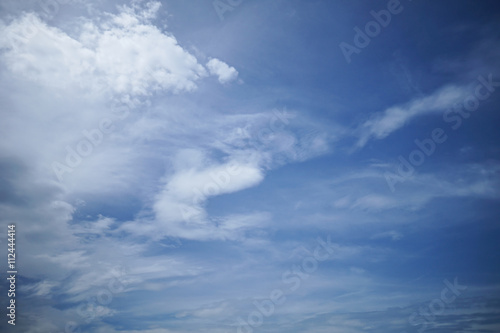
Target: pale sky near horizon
point(251, 166)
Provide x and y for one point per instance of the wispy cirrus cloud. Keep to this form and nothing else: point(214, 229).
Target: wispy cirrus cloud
point(381, 124)
point(199, 200)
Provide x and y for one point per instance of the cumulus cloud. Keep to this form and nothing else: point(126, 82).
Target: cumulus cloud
point(169, 161)
point(123, 54)
point(63, 81)
point(224, 72)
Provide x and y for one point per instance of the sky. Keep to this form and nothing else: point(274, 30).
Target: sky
point(251, 166)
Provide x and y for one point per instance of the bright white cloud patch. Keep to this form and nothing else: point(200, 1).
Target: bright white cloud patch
point(122, 54)
point(179, 207)
point(201, 198)
point(224, 72)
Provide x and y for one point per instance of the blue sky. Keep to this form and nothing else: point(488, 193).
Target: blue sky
point(251, 166)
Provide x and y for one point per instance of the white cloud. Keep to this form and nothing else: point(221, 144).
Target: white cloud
point(179, 206)
point(215, 179)
point(392, 234)
point(222, 70)
point(384, 123)
point(74, 259)
point(124, 54)
point(373, 201)
point(42, 288)
point(63, 82)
